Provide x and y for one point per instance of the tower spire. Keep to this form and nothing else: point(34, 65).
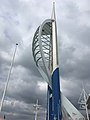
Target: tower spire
point(53, 12)
point(54, 40)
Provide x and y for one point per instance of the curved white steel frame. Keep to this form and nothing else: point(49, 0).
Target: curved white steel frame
point(42, 49)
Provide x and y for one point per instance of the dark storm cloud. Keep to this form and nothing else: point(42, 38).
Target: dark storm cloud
point(72, 66)
point(22, 84)
point(74, 35)
point(26, 60)
point(18, 21)
point(15, 28)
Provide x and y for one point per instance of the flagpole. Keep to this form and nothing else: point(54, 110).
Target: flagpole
point(8, 77)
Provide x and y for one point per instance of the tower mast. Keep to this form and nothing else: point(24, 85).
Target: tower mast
point(56, 97)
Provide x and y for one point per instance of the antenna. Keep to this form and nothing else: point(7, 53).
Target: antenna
point(37, 107)
point(8, 77)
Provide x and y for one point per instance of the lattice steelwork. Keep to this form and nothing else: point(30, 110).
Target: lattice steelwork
point(42, 50)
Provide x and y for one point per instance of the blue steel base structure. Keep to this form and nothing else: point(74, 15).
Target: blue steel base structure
point(54, 98)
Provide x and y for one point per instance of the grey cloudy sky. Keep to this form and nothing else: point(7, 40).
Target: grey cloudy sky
point(18, 21)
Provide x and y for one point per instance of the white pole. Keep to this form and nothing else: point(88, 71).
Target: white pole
point(8, 77)
point(36, 114)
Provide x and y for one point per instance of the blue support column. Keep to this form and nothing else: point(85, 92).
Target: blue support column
point(56, 102)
